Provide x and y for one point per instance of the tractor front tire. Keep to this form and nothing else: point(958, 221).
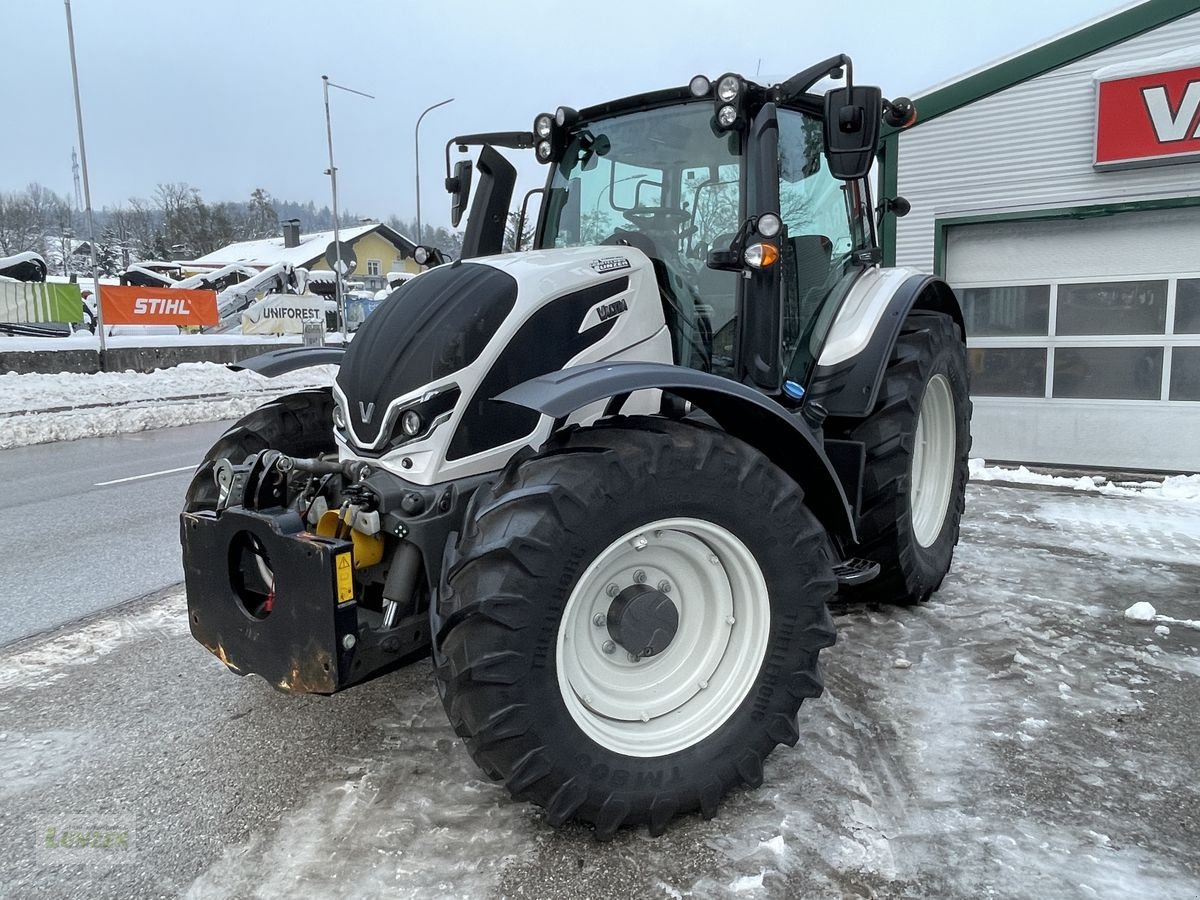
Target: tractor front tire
point(299, 424)
point(631, 620)
point(917, 441)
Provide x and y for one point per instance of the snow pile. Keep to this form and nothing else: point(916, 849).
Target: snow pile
point(37, 408)
point(1140, 612)
point(1175, 487)
point(1144, 613)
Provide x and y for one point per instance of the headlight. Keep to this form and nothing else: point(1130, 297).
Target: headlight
point(543, 151)
point(564, 116)
point(728, 88)
point(699, 86)
point(411, 424)
point(769, 225)
point(339, 417)
point(543, 125)
point(726, 116)
point(421, 256)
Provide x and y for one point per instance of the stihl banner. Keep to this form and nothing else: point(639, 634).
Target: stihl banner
point(1146, 120)
point(157, 306)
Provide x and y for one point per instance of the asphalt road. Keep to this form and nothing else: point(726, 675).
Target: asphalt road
point(74, 544)
point(1033, 743)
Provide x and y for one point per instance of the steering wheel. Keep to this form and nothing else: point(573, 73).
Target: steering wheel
point(656, 215)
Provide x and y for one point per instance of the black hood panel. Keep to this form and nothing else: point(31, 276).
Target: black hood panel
point(429, 328)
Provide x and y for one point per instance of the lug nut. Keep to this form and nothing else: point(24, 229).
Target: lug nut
point(729, 620)
point(639, 576)
point(612, 590)
point(608, 647)
point(664, 586)
point(598, 620)
point(349, 641)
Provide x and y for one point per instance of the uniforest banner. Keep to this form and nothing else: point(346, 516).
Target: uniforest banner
point(283, 314)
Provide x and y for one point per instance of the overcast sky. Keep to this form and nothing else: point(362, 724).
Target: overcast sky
point(226, 94)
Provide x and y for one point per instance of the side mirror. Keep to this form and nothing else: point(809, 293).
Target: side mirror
point(459, 186)
point(852, 121)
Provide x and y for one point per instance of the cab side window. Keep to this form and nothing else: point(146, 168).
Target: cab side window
point(817, 233)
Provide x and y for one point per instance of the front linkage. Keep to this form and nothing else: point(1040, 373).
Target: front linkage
point(350, 552)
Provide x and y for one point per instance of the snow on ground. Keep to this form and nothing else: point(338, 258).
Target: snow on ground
point(37, 408)
point(1039, 744)
point(1173, 487)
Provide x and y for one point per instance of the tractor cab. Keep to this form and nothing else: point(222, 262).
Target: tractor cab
point(754, 214)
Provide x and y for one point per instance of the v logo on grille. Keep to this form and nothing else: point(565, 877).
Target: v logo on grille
point(366, 411)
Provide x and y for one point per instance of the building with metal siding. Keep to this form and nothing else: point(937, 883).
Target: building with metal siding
point(1081, 282)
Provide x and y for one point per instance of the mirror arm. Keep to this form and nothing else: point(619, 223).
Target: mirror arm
point(796, 86)
point(513, 140)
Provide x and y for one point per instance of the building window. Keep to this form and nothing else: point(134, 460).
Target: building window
point(998, 311)
point(374, 267)
point(1187, 306)
point(1008, 372)
point(1185, 373)
point(1108, 373)
point(398, 265)
point(1114, 307)
point(1133, 339)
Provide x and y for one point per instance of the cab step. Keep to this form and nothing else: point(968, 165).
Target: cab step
point(853, 572)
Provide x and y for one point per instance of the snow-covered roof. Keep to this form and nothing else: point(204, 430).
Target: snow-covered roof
point(311, 248)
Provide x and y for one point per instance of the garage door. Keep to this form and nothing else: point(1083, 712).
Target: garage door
point(1084, 338)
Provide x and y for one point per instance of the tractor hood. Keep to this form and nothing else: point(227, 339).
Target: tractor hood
point(448, 342)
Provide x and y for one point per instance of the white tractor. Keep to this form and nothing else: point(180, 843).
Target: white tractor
point(613, 481)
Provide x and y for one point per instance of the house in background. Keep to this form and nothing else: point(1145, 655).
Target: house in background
point(378, 249)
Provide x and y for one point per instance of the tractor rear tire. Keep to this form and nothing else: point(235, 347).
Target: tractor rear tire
point(299, 424)
point(539, 659)
point(917, 444)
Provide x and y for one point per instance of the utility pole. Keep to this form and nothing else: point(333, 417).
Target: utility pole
point(87, 192)
point(332, 173)
point(417, 155)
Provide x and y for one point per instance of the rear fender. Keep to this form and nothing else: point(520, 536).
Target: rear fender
point(740, 410)
point(850, 370)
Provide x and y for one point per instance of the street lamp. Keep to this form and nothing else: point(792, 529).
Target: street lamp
point(87, 191)
point(417, 154)
point(332, 173)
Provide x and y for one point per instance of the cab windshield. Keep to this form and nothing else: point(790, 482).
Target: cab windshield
point(659, 180)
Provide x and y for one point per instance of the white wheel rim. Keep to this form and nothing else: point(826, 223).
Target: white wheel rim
point(673, 700)
point(932, 476)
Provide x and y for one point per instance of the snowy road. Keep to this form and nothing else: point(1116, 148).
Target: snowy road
point(1039, 745)
point(83, 529)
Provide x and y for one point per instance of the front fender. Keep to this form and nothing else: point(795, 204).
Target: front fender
point(288, 359)
point(740, 410)
point(850, 370)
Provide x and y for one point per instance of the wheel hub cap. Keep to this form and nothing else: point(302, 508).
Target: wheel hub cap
point(692, 593)
point(643, 620)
